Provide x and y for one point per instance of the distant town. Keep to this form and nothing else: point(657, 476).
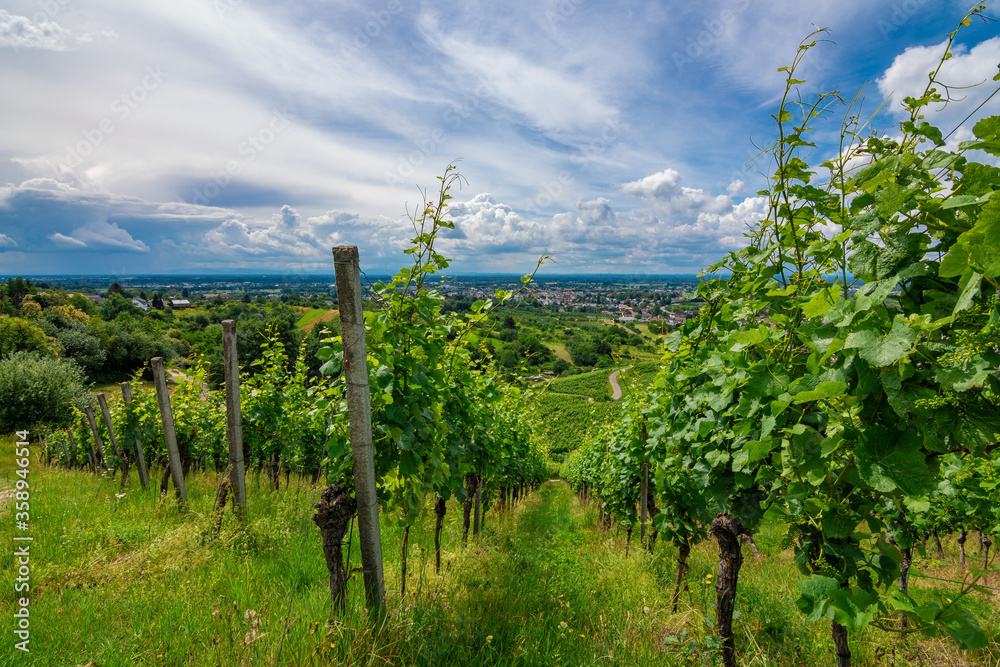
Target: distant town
point(670, 299)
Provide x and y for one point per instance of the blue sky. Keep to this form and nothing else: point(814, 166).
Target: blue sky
point(188, 136)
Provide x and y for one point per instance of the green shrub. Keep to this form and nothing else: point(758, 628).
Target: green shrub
point(36, 389)
point(17, 334)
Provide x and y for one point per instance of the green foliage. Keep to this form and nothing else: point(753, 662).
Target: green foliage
point(565, 421)
point(20, 335)
point(38, 390)
point(826, 375)
point(436, 416)
point(594, 385)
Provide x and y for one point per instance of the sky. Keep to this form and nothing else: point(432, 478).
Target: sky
point(220, 136)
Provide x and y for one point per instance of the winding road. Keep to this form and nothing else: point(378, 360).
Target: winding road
point(616, 391)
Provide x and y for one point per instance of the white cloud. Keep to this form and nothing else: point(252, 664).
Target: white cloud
point(67, 241)
point(550, 98)
point(968, 67)
point(20, 32)
point(7, 242)
point(664, 192)
point(110, 236)
point(482, 226)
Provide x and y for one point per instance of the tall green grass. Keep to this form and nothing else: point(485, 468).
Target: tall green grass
point(129, 580)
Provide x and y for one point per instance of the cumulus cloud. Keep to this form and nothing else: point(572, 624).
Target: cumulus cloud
point(968, 67)
point(484, 225)
point(664, 192)
point(7, 242)
point(20, 32)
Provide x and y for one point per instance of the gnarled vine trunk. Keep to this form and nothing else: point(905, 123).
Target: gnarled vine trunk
point(333, 516)
point(962, 536)
point(727, 529)
point(840, 645)
point(440, 507)
point(471, 486)
point(683, 552)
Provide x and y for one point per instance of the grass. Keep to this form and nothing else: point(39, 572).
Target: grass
point(313, 316)
point(129, 580)
point(559, 350)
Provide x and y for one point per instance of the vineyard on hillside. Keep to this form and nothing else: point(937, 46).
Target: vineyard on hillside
point(773, 491)
point(842, 380)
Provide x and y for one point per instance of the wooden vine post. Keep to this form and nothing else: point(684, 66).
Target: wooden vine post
point(352, 329)
point(139, 458)
point(111, 435)
point(234, 424)
point(643, 490)
point(169, 435)
point(62, 441)
point(99, 458)
point(72, 448)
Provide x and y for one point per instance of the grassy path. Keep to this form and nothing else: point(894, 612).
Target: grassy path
point(542, 593)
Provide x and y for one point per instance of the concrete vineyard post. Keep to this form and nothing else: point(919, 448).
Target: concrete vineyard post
point(169, 435)
point(352, 327)
point(234, 424)
point(140, 459)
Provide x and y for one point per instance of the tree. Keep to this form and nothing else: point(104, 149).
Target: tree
point(157, 303)
point(116, 304)
point(17, 334)
point(115, 288)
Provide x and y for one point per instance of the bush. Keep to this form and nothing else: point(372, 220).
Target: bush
point(36, 389)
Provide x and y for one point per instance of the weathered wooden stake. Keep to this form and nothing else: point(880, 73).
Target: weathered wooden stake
point(111, 435)
point(169, 435)
point(643, 505)
point(62, 441)
point(72, 448)
point(234, 424)
point(97, 435)
point(478, 513)
point(352, 330)
point(140, 459)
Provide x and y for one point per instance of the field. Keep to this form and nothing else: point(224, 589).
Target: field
point(314, 316)
point(121, 578)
